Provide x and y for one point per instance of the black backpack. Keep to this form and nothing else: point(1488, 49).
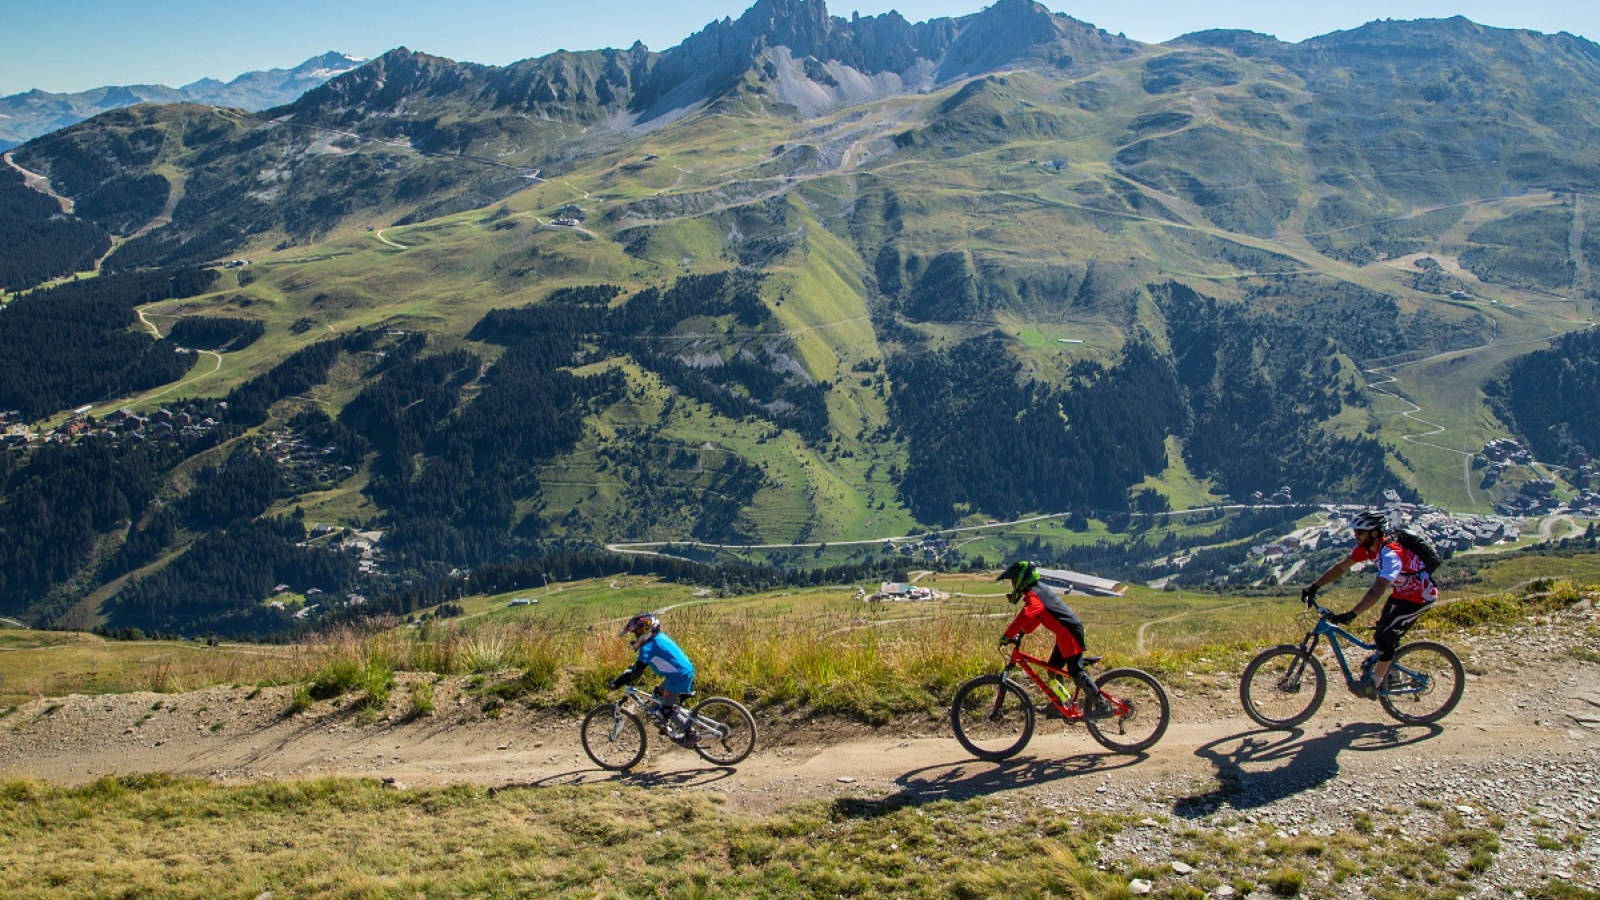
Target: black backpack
point(1422, 547)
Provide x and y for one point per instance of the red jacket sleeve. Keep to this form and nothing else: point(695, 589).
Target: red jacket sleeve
point(1028, 617)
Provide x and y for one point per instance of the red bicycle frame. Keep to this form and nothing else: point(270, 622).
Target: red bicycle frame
point(1072, 713)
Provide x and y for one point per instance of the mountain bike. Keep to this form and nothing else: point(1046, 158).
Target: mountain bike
point(1284, 685)
point(721, 730)
point(993, 715)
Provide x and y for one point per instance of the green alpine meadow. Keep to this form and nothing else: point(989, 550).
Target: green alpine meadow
point(802, 300)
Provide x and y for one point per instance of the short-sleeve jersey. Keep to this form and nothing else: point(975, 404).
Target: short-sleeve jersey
point(1408, 579)
point(663, 655)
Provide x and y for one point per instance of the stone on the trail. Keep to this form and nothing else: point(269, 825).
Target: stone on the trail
point(1182, 868)
point(1139, 886)
point(846, 779)
point(1149, 823)
point(1223, 890)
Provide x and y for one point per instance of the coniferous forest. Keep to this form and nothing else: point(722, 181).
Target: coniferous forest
point(77, 344)
point(37, 243)
point(456, 322)
point(455, 444)
point(1549, 398)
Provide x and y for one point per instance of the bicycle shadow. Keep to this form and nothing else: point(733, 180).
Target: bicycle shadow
point(700, 776)
point(967, 779)
point(1257, 768)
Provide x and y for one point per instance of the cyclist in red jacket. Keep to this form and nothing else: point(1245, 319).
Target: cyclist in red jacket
point(1043, 606)
point(1413, 592)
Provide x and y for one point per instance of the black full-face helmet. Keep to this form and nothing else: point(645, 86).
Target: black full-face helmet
point(1022, 575)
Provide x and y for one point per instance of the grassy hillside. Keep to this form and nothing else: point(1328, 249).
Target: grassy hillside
point(1364, 256)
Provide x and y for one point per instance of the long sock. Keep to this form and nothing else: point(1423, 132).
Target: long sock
point(1090, 692)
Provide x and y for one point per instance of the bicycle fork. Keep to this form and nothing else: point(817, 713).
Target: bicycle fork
point(1291, 678)
point(1000, 693)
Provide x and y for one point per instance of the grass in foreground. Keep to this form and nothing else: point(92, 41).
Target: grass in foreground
point(152, 836)
point(155, 836)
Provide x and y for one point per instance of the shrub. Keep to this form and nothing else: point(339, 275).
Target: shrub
point(421, 691)
point(1286, 882)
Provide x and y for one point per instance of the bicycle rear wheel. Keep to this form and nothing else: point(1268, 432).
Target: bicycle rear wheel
point(724, 731)
point(1282, 687)
point(1139, 711)
point(1425, 682)
point(613, 737)
point(991, 717)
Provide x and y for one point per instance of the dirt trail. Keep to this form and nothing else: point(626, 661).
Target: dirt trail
point(1533, 695)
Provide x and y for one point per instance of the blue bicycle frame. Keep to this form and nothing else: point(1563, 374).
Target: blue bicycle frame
point(1400, 680)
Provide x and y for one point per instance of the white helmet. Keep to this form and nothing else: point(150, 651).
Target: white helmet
point(1369, 520)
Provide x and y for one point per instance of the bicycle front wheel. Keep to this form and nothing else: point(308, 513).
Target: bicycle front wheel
point(613, 737)
point(1282, 687)
point(1139, 711)
point(1425, 682)
point(992, 717)
point(724, 731)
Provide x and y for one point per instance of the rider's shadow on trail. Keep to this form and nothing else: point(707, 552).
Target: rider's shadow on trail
point(974, 778)
point(1260, 767)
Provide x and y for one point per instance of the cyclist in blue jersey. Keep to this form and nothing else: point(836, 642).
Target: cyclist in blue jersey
point(662, 655)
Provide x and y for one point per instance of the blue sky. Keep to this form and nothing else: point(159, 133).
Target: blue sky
point(72, 45)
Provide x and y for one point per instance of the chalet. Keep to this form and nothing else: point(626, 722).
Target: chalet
point(891, 590)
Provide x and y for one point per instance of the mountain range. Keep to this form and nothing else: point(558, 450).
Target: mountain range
point(801, 281)
point(30, 114)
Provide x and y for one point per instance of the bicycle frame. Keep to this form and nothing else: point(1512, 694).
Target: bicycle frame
point(1338, 636)
point(650, 705)
point(643, 701)
point(1027, 662)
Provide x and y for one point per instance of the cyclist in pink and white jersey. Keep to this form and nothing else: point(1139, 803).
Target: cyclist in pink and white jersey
point(1413, 591)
